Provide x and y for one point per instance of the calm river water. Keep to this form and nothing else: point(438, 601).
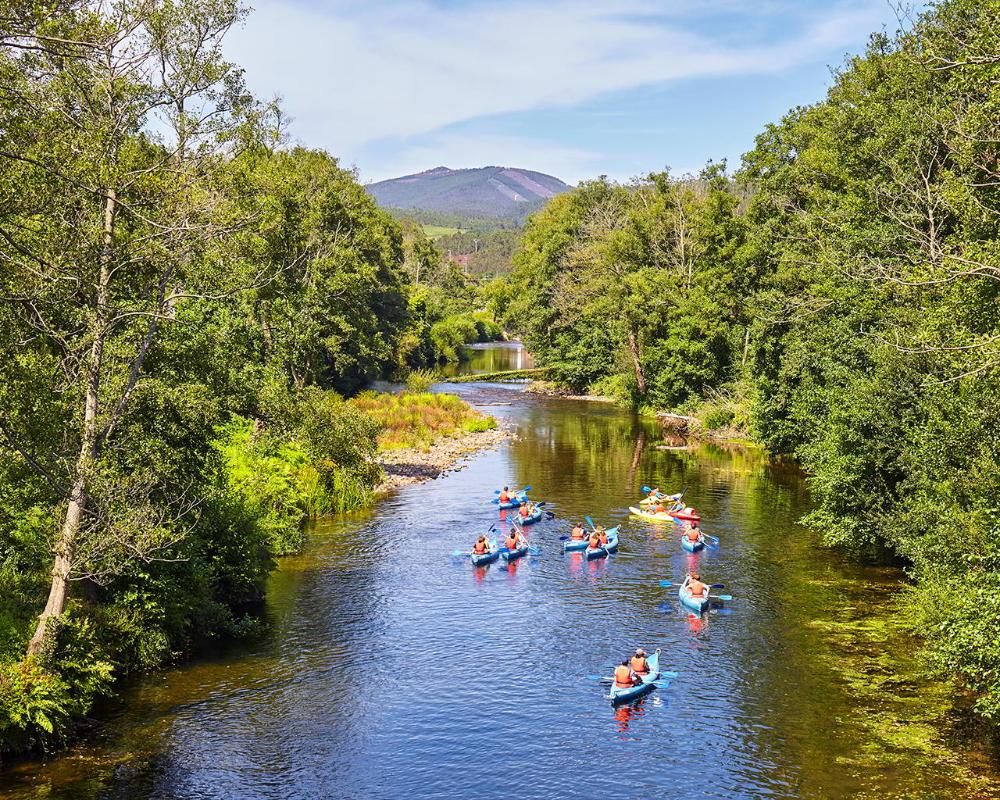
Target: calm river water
point(393, 671)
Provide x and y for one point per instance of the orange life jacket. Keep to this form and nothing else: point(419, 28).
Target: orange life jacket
point(694, 534)
point(578, 534)
point(604, 538)
point(504, 497)
point(511, 543)
point(595, 541)
point(623, 676)
point(523, 511)
point(696, 588)
point(479, 548)
point(660, 509)
point(638, 664)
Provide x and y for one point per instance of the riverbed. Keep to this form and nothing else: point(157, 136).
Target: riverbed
point(392, 670)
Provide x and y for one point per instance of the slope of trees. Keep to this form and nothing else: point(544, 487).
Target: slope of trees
point(181, 300)
point(839, 297)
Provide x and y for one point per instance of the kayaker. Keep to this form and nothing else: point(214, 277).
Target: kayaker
point(660, 508)
point(694, 532)
point(480, 547)
point(655, 494)
point(578, 533)
point(638, 663)
point(505, 495)
point(513, 540)
point(604, 536)
point(624, 676)
point(526, 510)
point(695, 587)
point(595, 539)
point(678, 505)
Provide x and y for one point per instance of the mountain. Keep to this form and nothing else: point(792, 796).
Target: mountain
point(490, 192)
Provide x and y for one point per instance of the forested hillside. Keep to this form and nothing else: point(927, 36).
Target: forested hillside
point(837, 297)
point(183, 306)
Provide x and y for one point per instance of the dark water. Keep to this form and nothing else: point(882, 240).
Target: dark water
point(394, 672)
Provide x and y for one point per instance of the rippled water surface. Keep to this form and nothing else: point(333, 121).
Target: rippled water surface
point(394, 671)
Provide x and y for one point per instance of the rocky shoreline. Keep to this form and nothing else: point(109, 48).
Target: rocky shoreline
point(416, 465)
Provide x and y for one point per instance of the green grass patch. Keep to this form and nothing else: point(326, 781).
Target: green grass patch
point(416, 419)
point(437, 231)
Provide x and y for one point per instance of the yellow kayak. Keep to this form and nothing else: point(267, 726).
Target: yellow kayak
point(654, 517)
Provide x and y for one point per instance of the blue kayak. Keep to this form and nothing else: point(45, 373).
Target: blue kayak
point(488, 557)
point(571, 545)
point(618, 696)
point(510, 555)
point(531, 519)
point(610, 547)
point(514, 502)
point(692, 547)
point(697, 604)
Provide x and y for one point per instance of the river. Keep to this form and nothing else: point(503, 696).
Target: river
point(391, 670)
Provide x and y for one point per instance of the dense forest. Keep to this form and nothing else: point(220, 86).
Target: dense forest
point(187, 307)
point(837, 298)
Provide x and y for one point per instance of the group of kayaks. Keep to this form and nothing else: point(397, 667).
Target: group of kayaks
point(676, 513)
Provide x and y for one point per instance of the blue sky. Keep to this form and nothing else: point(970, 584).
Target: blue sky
point(575, 88)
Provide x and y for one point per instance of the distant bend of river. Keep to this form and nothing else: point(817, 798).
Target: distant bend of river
point(392, 670)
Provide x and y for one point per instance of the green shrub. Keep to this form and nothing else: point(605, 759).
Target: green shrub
point(420, 380)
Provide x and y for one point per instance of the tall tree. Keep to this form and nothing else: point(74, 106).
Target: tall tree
point(114, 142)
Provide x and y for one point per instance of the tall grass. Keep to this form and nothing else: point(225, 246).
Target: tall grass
point(416, 419)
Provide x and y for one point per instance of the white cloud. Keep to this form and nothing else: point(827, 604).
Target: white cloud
point(352, 73)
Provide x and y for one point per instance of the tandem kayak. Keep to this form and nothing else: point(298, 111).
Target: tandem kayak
point(610, 547)
point(664, 517)
point(618, 696)
point(514, 502)
point(692, 603)
point(531, 519)
point(510, 555)
point(488, 557)
point(692, 547)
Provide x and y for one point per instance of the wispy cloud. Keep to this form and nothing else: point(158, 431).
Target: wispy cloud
point(355, 73)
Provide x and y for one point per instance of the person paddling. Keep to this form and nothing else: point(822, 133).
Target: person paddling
point(694, 532)
point(638, 663)
point(625, 678)
point(604, 537)
point(514, 539)
point(526, 510)
point(595, 539)
point(481, 547)
point(578, 533)
point(505, 495)
point(695, 587)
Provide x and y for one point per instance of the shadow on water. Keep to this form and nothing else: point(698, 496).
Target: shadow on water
point(393, 670)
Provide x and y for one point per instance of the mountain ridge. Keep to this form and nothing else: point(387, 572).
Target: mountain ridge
point(493, 192)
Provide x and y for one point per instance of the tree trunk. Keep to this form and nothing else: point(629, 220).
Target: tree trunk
point(636, 352)
point(89, 443)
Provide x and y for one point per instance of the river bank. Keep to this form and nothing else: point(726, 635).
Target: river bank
point(407, 466)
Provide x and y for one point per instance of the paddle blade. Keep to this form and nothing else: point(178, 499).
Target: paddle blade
point(540, 504)
point(726, 597)
point(668, 584)
point(717, 585)
point(590, 522)
point(526, 489)
point(496, 491)
point(669, 675)
point(459, 554)
point(563, 538)
point(646, 489)
point(495, 501)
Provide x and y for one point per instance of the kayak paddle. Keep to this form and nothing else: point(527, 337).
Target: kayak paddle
point(590, 522)
point(725, 597)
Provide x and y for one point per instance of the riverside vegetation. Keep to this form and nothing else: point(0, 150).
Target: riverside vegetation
point(185, 304)
point(837, 298)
